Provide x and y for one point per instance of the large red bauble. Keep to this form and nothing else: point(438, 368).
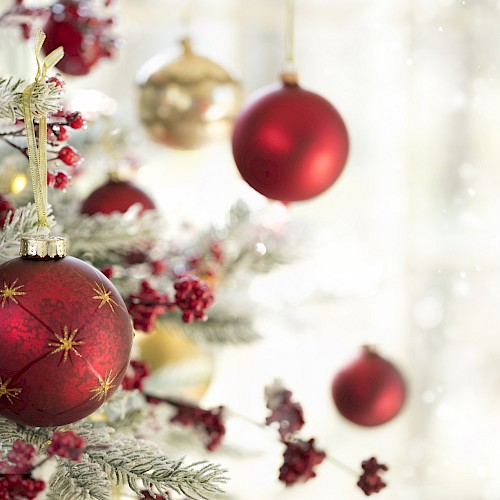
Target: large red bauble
point(65, 340)
point(370, 390)
point(116, 196)
point(290, 144)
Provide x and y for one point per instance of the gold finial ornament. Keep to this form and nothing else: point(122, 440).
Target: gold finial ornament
point(43, 246)
point(189, 101)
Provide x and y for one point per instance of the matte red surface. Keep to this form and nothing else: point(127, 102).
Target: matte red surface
point(49, 296)
point(369, 391)
point(116, 196)
point(290, 144)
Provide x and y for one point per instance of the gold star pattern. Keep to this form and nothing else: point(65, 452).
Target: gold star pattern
point(9, 393)
point(104, 387)
point(66, 343)
point(104, 296)
point(10, 292)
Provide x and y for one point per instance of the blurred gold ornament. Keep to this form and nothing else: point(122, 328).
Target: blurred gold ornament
point(188, 102)
point(179, 367)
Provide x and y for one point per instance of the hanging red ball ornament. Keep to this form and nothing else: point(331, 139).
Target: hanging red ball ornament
point(65, 336)
point(116, 196)
point(290, 144)
point(83, 35)
point(370, 390)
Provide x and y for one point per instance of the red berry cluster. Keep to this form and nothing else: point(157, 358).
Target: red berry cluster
point(146, 306)
point(84, 36)
point(15, 473)
point(136, 373)
point(288, 414)
point(300, 458)
point(5, 207)
point(58, 179)
point(193, 297)
point(69, 156)
point(66, 445)
point(19, 459)
point(370, 481)
point(16, 487)
point(210, 422)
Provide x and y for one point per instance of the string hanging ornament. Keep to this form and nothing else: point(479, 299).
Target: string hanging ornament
point(188, 101)
point(289, 144)
point(65, 333)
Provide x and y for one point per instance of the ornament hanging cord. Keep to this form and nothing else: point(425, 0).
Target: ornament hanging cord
point(37, 155)
point(289, 75)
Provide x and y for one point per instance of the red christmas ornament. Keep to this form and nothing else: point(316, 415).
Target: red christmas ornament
point(116, 196)
point(290, 144)
point(370, 390)
point(74, 26)
point(65, 340)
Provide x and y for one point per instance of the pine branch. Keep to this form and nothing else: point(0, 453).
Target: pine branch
point(124, 461)
point(20, 223)
point(140, 466)
point(79, 481)
point(45, 99)
point(221, 328)
point(98, 237)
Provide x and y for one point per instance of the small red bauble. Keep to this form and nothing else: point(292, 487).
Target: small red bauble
point(290, 144)
point(65, 340)
point(116, 196)
point(73, 25)
point(370, 390)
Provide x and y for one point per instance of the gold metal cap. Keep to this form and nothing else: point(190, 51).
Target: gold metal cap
point(43, 246)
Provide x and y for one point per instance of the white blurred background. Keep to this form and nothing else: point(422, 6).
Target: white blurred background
point(401, 251)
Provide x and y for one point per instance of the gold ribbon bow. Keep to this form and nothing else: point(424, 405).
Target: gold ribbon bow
point(37, 156)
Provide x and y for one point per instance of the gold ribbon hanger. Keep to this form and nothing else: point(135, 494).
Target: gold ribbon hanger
point(37, 154)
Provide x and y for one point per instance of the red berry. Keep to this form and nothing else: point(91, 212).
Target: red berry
point(62, 180)
point(51, 179)
point(56, 81)
point(66, 444)
point(61, 133)
point(75, 120)
point(70, 156)
point(370, 390)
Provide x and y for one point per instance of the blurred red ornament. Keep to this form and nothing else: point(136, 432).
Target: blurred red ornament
point(290, 144)
point(65, 340)
point(116, 196)
point(83, 35)
point(370, 390)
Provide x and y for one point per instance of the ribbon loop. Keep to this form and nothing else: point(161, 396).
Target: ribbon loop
point(37, 155)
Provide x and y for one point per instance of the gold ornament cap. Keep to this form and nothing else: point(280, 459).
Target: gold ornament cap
point(43, 247)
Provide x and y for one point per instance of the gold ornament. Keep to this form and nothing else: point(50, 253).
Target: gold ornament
point(188, 102)
point(179, 367)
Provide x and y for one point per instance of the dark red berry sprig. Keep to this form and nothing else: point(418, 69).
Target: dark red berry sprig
point(17, 487)
point(66, 445)
point(300, 458)
point(16, 481)
point(5, 207)
point(19, 459)
point(193, 297)
point(137, 371)
point(287, 413)
point(210, 422)
point(370, 481)
point(75, 120)
point(146, 306)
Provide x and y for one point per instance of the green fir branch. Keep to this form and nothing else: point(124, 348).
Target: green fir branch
point(18, 224)
point(45, 99)
point(138, 464)
point(141, 466)
point(222, 328)
point(97, 237)
point(79, 481)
